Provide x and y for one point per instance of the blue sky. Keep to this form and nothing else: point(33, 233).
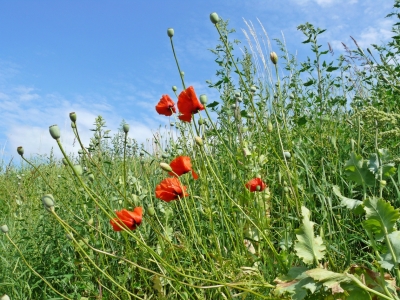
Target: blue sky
point(113, 58)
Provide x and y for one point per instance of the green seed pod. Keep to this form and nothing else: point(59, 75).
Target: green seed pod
point(69, 236)
point(269, 126)
point(151, 211)
point(54, 132)
point(200, 121)
point(214, 18)
point(165, 167)
point(203, 99)
point(125, 127)
point(90, 222)
point(4, 228)
point(141, 153)
point(274, 57)
point(65, 162)
point(48, 202)
point(20, 150)
point(237, 94)
point(78, 169)
point(174, 88)
point(182, 73)
point(170, 32)
point(80, 151)
point(253, 89)
point(382, 182)
point(72, 116)
point(199, 141)
point(286, 189)
point(5, 297)
point(164, 155)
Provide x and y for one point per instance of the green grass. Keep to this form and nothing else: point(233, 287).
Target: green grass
point(312, 131)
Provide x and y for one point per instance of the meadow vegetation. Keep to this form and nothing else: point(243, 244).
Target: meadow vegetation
point(286, 187)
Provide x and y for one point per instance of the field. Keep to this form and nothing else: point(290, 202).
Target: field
point(286, 187)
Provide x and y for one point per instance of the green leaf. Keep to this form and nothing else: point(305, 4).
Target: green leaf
point(330, 69)
point(329, 279)
point(353, 204)
point(213, 104)
point(388, 170)
point(294, 283)
point(380, 216)
point(387, 260)
point(357, 170)
point(308, 247)
point(310, 82)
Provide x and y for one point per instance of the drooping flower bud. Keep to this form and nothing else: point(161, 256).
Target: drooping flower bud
point(165, 167)
point(4, 228)
point(274, 57)
point(78, 169)
point(72, 116)
point(203, 99)
point(199, 141)
point(170, 32)
point(55, 132)
point(20, 150)
point(201, 121)
point(174, 88)
point(125, 127)
point(269, 126)
point(91, 177)
point(48, 202)
point(214, 18)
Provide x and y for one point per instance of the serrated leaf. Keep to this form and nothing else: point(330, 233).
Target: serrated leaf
point(308, 247)
point(387, 260)
point(388, 170)
point(380, 217)
point(357, 170)
point(329, 279)
point(353, 204)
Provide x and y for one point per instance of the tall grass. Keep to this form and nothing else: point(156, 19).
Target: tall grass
point(296, 194)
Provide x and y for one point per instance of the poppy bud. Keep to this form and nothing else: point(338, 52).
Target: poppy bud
point(287, 154)
point(237, 95)
point(78, 169)
point(182, 73)
point(165, 167)
point(174, 88)
point(4, 228)
point(382, 182)
point(164, 155)
point(20, 150)
point(214, 18)
point(151, 211)
point(54, 132)
point(69, 236)
point(72, 116)
point(141, 153)
point(273, 57)
point(170, 32)
point(201, 121)
point(269, 126)
point(48, 202)
point(199, 141)
point(203, 99)
point(240, 99)
point(5, 297)
point(80, 151)
point(91, 177)
point(125, 127)
point(65, 162)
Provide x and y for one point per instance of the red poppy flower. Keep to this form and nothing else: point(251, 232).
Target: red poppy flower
point(170, 189)
point(256, 185)
point(131, 219)
point(188, 104)
point(182, 165)
point(165, 106)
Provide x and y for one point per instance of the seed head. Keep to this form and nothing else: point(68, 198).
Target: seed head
point(55, 132)
point(72, 117)
point(203, 99)
point(78, 169)
point(65, 161)
point(170, 32)
point(253, 89)
point(125, 127)
point(174, 88)
point(4, 228)
point(214, 18)
point(274, 57)
point(20, 150)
